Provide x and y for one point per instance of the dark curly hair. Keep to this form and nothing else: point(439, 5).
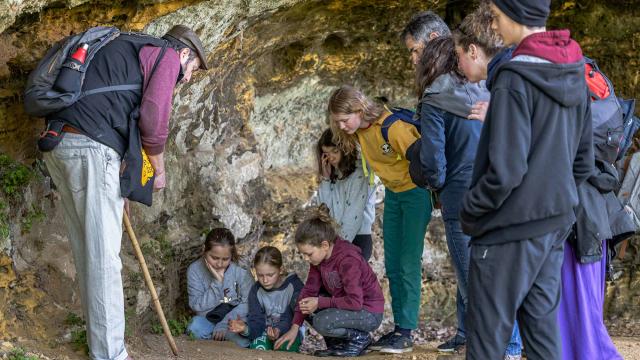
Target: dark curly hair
point(347, 164)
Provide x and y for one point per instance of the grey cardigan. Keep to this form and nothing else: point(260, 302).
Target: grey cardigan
point(205, 293)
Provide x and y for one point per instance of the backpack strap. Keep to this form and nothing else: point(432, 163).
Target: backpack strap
point(386, 124)
point(126, 87)
point(155, 65)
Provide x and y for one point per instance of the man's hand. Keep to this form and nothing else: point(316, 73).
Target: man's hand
point(237, 326)
point(273, 333)
point(479, 111)
point(308, 305)
point(157, 161)
point(160, 181)
point(288, 338)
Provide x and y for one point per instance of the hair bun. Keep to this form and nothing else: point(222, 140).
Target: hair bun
point(323, 213)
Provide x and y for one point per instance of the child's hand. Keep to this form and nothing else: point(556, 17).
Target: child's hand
point(326, 167)
point(479, 111)
point(216, 275)
point(273, 333)
point(288, 338)
point(308, 305)
point(218, 335)
point(237, 326)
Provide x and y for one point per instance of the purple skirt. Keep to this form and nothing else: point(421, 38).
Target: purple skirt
point(580, 314)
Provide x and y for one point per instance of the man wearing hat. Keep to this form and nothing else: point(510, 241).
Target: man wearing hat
point(86, 164)
point(535, 149)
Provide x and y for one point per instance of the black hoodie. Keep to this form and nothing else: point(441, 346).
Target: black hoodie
point(535, 145)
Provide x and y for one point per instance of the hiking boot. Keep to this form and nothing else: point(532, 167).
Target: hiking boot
point(452, 344)
point(356, 344)
point(398, 344)
point(333, 344)
point(376, 346)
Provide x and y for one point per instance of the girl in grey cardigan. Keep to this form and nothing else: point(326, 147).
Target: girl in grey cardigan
point(345, 189)
point(218, 289)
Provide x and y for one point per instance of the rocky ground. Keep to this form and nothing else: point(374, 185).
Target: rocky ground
point(154, 347)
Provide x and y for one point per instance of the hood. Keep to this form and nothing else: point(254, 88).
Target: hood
point(454, 95)
point(554, 46)
point(500, 58)
point(342, 249)
point(553, 63)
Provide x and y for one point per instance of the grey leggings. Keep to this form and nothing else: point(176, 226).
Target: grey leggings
point(335, 322)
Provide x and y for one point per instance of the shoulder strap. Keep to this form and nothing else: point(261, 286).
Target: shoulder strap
point(396, 114)
point(386, 124)
point(155, 65)
point(126, 87)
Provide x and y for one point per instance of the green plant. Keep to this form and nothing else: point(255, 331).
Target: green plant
point(13, 176)
point(176, 326)
point(129, 321)
point(79, 341)
point(19, 354)
point(73, 320)
point(33, 215)
point(156, 328)
point(179, 326)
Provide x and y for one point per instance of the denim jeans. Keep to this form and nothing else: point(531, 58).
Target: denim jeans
point(86, 174)
point(458, 245)
point(202, 329)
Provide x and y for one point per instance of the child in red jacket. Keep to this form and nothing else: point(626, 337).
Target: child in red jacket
point(354, 305)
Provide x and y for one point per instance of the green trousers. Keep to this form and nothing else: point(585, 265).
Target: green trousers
point(404, 224)
point(263, 343)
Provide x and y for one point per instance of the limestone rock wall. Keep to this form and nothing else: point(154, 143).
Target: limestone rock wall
point(240, 148)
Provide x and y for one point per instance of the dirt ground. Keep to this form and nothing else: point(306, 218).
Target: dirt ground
point(154, 347)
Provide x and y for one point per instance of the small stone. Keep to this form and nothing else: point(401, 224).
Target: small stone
point(6, 346)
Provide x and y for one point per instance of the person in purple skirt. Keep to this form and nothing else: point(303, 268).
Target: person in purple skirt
point(601, 222)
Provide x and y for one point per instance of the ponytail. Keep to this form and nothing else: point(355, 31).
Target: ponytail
point(318, 227)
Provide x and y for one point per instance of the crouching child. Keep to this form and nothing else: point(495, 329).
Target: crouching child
point(272, 301)
point(218, 289)
point(354, 304)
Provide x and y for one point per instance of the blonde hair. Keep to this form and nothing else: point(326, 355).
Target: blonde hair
point(347, 100)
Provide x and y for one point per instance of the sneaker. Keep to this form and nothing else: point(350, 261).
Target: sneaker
point(356, 344)
point(513, 357)
point(452, 344)
point(398, 344)
point(376, 346)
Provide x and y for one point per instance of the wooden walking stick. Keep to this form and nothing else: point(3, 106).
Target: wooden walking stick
point(152, 289)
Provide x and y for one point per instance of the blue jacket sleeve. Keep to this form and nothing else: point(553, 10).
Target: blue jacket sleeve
point(509, 147)
point(286, 318)
point(257, 319)
point(432, 151)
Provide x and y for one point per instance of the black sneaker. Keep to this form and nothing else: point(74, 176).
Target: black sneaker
point(376, 346)
point(398, 344)
point(452, 344)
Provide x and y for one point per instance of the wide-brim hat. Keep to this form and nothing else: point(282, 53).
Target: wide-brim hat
point(185, 35)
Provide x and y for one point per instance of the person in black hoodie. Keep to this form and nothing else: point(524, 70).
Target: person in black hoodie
point(534, 149)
